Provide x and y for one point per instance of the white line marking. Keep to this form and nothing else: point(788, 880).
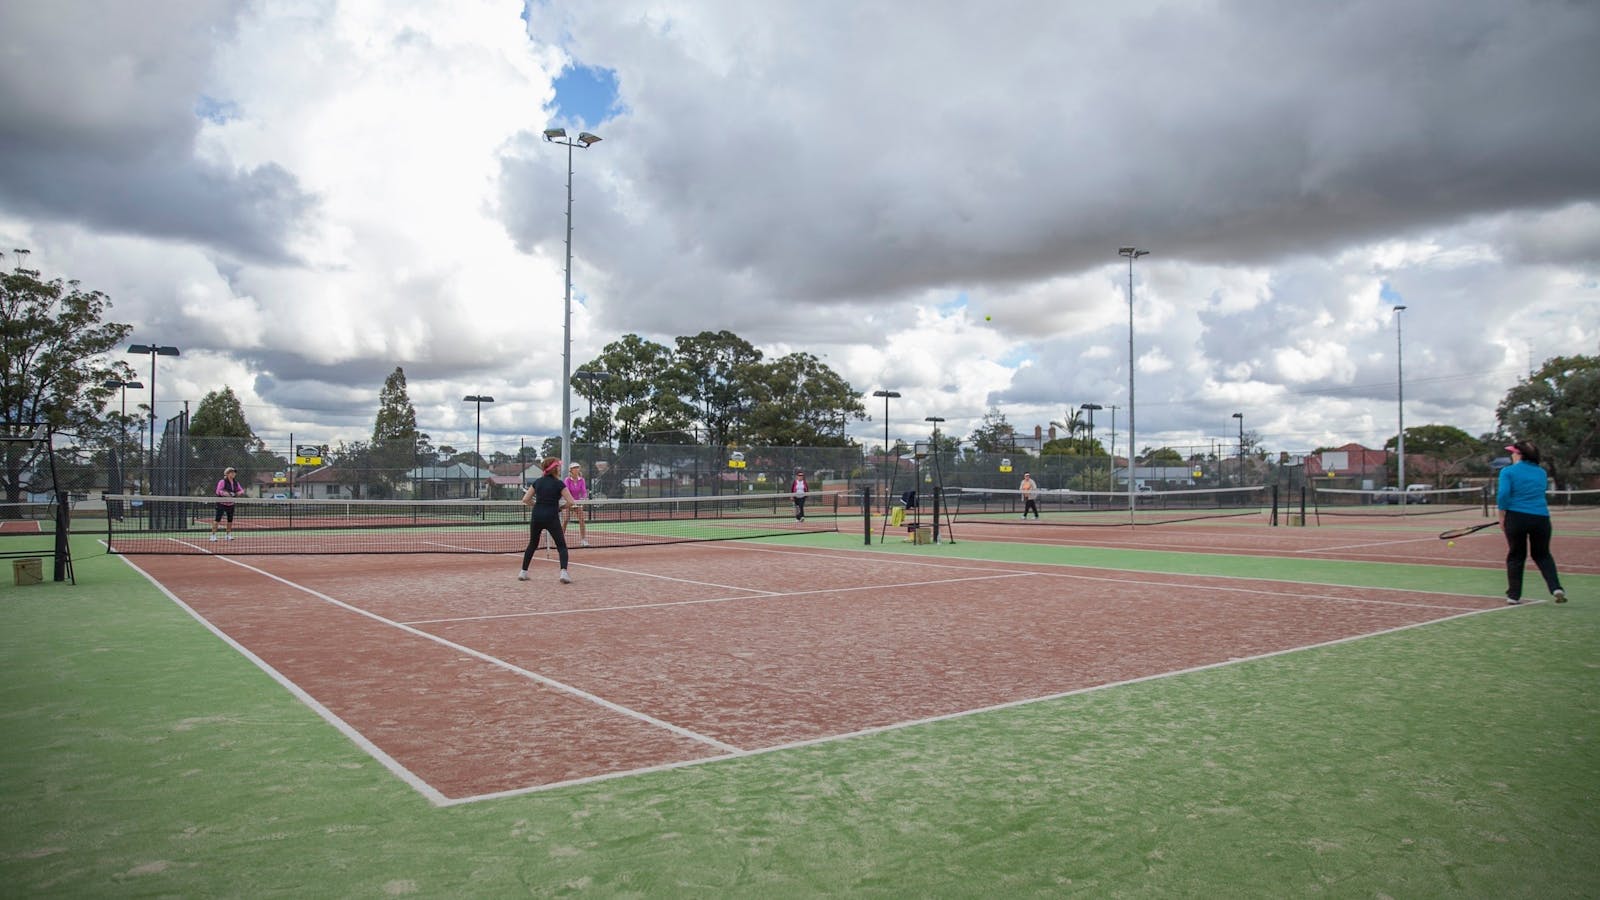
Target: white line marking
point(766, 595)
point(343, 727)
point(492, 660)
point(860, 555)
point(896, 726)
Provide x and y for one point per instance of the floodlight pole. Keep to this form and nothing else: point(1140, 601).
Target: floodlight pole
point(887, 396)
point(477, 440)
point(1400, 375)
point(1090, 408)
point(1132, 253)
point(154, 350)
point(1240, 417)
point(584, 139)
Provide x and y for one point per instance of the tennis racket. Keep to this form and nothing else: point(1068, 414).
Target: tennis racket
point(1454, 533)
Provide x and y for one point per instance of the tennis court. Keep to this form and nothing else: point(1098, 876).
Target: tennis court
point(470, 684)
point(1410, 539)
point(1181, 709)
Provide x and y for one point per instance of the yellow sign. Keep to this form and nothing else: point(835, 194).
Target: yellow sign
point(735, 463)
point(1005, 468)
point(308, 460)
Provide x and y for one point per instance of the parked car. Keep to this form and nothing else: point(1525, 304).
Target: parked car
point(1417, 493)
point(1389, 495)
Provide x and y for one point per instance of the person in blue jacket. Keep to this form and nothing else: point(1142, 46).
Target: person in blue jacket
point(1525, 519)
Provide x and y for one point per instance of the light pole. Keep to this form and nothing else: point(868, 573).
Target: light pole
point(887, 396)
point(584, 140)
point(1090, 408)
point(1400, 375)
point(124, 385)
point(591, 377)
point(1111, 470)
point(477, 440)
point(1240, 417)
point(935, 451)
point(1132, 253)
point(154, 350)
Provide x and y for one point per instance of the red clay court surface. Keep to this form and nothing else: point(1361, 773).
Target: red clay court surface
point(470, 684)
point(1413, 539)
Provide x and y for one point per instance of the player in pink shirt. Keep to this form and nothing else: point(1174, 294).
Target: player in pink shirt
point(579, 489)
point(228, 488)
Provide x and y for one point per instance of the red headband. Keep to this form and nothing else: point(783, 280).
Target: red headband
point(552, 467)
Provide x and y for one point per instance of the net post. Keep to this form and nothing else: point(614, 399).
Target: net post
point(1484, 489)
point(866, 515)
point(1274, 506)
point(937, 491)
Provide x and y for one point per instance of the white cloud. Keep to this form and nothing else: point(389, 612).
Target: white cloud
point(364, 187)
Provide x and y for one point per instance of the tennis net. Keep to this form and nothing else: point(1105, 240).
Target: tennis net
point(29, 517)
point(1068, 507)
point(1393, 502)
point(1583, 503)
point(184, 525)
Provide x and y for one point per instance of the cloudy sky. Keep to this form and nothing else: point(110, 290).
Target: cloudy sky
point(303, 194)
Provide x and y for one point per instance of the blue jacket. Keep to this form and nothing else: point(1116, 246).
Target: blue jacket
point(1522, 487)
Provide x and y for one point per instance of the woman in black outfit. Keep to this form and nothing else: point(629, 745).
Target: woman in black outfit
point(546, 495)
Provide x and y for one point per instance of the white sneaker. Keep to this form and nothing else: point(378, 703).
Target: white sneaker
point(230, 537)
point(565, 578)
point(522, 576)
point(1560, 595)
point(583, 543)
point(213, 539)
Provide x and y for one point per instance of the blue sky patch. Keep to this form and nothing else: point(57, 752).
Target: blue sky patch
point(217, 111)
point(585, 96)
point(1389, 295)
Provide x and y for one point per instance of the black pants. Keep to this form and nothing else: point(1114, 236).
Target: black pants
point(799, 508)
point(1528, 535)
point(1032, 504)
point(557, 536)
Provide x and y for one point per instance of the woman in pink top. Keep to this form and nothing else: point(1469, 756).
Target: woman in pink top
point(228, 488)
point(579, 489)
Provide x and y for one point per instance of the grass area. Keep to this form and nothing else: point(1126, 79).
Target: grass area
point(145, 757)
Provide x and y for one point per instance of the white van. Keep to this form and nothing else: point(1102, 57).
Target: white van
point(1418, 493)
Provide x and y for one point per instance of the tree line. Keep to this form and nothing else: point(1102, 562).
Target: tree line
point(59, 369)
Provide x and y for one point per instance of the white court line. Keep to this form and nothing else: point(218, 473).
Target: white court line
point(345, 728)
point(765, 595)
point(492, 660)
point(860, 554)
point(1387, 543)
point(912, 723)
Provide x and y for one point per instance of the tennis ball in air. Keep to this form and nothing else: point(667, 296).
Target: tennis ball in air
point(1450, 543)
point(986, 318)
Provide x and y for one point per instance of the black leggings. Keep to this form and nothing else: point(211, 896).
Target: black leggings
point(1528, 535)
point(557, 536)
point(1032, 504)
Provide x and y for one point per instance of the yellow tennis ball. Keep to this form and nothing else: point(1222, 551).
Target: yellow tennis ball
point(1450, 544)
point(986, 318)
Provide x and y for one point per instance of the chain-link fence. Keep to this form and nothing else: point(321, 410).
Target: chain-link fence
point(187, 465)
